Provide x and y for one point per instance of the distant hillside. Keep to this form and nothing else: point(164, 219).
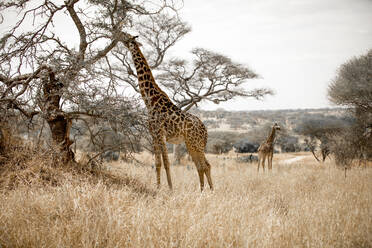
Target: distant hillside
point(250, 128)
point(242, 121)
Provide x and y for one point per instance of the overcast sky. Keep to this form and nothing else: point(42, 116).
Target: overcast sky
point(295, 45)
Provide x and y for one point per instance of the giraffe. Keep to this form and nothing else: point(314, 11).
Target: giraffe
point(167, 122)
point(266, 149)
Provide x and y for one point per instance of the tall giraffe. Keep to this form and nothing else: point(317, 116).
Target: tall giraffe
point(166, 121)
point(266, 149)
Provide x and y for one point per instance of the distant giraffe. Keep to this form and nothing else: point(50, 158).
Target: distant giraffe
point(266, 149)
point(167, 122)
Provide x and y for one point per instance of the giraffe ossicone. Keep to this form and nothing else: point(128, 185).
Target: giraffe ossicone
point(167, 123)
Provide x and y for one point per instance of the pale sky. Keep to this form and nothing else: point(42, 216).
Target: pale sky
point(295, 45)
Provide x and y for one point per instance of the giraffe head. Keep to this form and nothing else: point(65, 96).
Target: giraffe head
point(276, 126)
point(128, 40)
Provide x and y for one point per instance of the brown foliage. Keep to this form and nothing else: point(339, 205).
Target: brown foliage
point(24, 164)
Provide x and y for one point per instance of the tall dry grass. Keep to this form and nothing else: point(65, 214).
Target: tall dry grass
point(302, 204)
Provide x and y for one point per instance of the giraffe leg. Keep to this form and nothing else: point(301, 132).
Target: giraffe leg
point(200, 166)
point(270, 161)
point(166, 164)
point(201, 178)
point(259, 162)
point(206, 169)
point(207, 172)
point(263, 162)
point(157, 164)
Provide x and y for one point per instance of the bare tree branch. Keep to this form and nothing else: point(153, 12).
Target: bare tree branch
point(210, 77)
point(42, 73)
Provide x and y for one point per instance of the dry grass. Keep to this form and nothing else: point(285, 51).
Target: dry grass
point(301, 204)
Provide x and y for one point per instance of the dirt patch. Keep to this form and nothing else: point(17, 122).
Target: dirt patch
point(293, 160)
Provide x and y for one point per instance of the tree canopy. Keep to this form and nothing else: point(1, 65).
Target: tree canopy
point(352, 86)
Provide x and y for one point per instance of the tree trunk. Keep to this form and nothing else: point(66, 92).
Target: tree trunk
point(324, 150)
point(313, 152)
point(57, 120)
point(5, 137)
point(2, 139)
point(60, 129)
point(311, 147)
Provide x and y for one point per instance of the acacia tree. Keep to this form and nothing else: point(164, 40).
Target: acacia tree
point(318, 132)
point(42, 73)
point(209, 77)
point(352, 88)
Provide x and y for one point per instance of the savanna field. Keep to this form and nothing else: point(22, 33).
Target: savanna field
point(90, 89)
point(301, 203)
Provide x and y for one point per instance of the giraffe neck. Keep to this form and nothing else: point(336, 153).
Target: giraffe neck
point(150, 91)
point(271, 137)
